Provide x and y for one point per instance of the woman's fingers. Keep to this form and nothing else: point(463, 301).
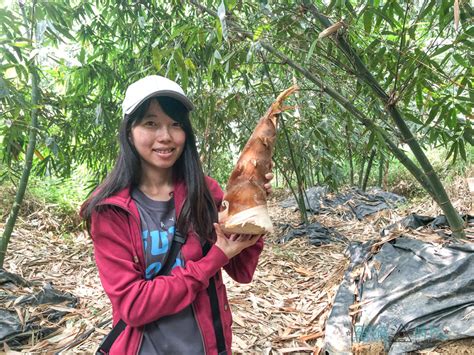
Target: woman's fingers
point(269, 176)
point(240, 237)
point(253, 239)
point(268, 189)
point(236, 237)
point(245, 237)
point(218, 229)
point(248, 238)
point(267, 186)
point(233, 244)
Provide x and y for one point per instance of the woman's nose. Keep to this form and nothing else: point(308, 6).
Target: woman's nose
point(163, 133)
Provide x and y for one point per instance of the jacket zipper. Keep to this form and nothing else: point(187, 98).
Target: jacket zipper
point(199, 327)
point(135, 257)
point(141, 341)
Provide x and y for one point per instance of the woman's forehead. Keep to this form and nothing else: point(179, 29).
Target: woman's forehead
point(155, 111)
point(154, 107)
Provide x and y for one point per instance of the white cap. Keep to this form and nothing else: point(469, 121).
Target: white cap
point(151, 86)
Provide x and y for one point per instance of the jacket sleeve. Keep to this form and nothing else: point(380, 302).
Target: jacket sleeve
point(242, 266)
point(137, 300)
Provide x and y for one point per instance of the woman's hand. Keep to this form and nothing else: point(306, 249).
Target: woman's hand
point(233, 245)
point(268, 186)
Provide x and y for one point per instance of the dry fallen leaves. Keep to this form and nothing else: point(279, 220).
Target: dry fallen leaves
point(284, 309)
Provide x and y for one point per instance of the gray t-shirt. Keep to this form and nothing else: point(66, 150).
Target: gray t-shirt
point(177, 333)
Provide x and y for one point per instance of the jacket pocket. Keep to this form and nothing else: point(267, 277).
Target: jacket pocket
point(225, 311)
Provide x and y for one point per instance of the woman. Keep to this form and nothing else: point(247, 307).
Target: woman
point(156, 189)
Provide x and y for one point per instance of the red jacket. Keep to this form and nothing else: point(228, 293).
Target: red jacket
point(120, 260)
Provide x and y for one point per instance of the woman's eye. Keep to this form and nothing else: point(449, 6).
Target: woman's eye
point(150, 124)
point(177, 124)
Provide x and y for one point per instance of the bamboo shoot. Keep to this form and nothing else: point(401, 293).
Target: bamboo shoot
point(245, 201)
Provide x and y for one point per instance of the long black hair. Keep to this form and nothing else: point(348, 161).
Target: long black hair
point(199, 210)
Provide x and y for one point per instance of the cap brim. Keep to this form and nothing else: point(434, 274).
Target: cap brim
point(175, 95)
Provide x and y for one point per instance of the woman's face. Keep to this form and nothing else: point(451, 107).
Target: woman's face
point(158, 139)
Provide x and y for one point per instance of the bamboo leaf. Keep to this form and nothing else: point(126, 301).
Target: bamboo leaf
point(451, 119)
point(178, 57)
point(419, 96)
point(442, 49)
point(461, 60)
point(332, 4)
point(464, 82)
point(21, 44)
point(218, 31)
point(156, 59)
point(311, 50)
point(221, 15)
point(368, 17)
point(462, 151)
point(468, 135)
point(463, 109)
point(371, 142)
point(189, 64)
point(432, 115)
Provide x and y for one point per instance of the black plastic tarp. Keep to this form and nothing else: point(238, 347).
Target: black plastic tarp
point(17, 292)
point(354, 203)
point(414, 221)
point(413, 295)
point(316, 233)
point(314, 196)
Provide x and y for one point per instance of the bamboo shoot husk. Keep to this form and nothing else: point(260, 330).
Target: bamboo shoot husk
point(245, 200)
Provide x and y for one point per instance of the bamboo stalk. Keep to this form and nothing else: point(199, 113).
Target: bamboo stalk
point(381, 165)
point(369, 168)
point(349, 150)
point(361, 170)
point(20, 193)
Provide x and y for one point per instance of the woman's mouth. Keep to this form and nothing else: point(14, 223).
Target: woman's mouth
point(164, 153)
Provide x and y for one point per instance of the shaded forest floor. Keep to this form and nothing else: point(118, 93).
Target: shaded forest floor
point(282, 311)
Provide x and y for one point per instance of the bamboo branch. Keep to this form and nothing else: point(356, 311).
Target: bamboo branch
point(454, 219)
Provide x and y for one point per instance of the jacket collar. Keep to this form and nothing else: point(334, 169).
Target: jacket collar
point(124, 199)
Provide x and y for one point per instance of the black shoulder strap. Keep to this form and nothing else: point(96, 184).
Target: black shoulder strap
point(176, 244)
point(216, 316)
point(109, 339)
point(178, 241)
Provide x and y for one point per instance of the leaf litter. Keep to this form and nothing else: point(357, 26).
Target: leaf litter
point(282, 311)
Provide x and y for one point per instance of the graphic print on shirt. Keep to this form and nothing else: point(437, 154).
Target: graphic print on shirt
point(158, 243)
point(158, 227)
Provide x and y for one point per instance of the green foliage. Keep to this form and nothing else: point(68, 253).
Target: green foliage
point(90, 51)
point(66, 194)
point(400, 180)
